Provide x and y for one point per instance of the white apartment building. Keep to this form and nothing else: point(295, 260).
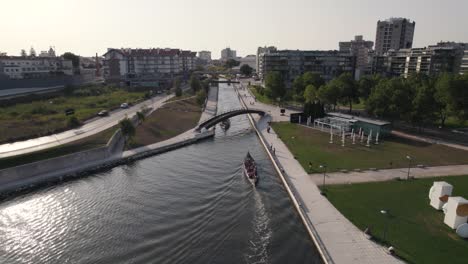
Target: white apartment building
point(146, 66)
point(394, 33)
point(15, 67)
point(205, 55)
point(228, 53)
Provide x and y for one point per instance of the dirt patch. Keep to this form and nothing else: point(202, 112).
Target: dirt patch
point(168, 121)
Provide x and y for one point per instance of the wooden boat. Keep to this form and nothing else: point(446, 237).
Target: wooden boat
point(225, 124)
point(250, 170)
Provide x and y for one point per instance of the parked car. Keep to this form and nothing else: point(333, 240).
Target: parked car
point(69, 111)
point(124, 105)
point(103, 113)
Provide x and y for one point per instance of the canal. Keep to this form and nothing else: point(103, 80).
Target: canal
point(191, 205)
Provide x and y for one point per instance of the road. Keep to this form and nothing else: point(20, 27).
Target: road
point(90, 127)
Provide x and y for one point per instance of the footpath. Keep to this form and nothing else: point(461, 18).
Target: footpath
point(336, 238)
point(76, 164)
point(390, 174)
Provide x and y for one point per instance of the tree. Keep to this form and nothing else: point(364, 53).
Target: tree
point(275, 85)
point(232, 63)
point(313, 78)
point(74, 58)
point(141, 117)
point(366, 84)
point(127, 128)
point(459, 96)
point(424, 104)
point(73, 122)
point(195, 83)
point(348, 89)
point(330, 93)
point(310, 94)
point(201, 97)
point(302, 81)
point(391, 99)
point(23, 53)
point(442, 96)
point(245, 69)
point(177, 88)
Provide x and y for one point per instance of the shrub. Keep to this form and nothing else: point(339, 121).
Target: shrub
point(128, 129)
point(73, 122)
point(201, 96)
point(178, 91)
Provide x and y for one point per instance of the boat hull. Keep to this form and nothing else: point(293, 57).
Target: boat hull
point(253, 181)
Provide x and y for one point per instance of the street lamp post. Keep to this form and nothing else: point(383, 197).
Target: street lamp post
point(409, 166)
point(324, 167)
point(385, 213)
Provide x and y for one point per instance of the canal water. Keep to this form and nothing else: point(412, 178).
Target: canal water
point(191, 205)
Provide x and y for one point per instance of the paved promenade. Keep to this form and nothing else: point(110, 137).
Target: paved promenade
point(211, 104)
point(389, 174)
point(342, 242)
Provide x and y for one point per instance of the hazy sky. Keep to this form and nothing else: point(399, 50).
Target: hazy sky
point(89, 26)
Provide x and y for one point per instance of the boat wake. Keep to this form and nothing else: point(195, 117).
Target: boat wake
point(260, 237)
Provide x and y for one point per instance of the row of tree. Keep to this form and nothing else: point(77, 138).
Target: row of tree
point(418, 99)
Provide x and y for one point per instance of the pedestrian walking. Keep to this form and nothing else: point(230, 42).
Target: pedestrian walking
point(274, 151)
point(268, 129)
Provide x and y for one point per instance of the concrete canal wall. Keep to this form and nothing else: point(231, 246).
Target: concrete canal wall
point(36, 172)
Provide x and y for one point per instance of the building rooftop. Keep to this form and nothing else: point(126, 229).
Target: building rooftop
point(362, 119)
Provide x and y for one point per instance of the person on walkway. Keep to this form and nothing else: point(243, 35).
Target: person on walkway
point(274, 151)
point(268, 129)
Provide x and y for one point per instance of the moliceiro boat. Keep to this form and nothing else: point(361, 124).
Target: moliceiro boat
point(250, 169)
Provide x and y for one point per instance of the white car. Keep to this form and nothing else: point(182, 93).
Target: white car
point(124, 105)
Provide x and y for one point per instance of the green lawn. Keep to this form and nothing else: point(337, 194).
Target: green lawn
point(310, 145)
point(261, 98)
point(93, 141)
point(38, 118)
point(415, 229)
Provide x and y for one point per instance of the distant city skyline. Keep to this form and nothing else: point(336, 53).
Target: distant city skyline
point(86, 27)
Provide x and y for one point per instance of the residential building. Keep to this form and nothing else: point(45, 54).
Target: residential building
point(432, 60)
point(227, 54)
point(147, 67)
point(205, 55)
point(359, 48)
point(292, 63)
point(464, 62)
point(17, 67)
point(260, 52)
point(394, 33)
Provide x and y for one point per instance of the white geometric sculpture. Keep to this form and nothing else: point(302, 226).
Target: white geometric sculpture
point(369, 138)
point(353, 136)
point(457, 212)
point(439, 193)
point(331, 135)
point(362, 136)
point(462, 230)
point(377, 138)
point(444, 207)
point(343, 139)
